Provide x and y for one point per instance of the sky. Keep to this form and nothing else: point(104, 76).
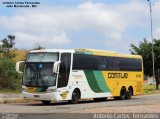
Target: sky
point(66, 24)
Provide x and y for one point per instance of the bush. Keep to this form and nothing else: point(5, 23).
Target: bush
point(9, 78)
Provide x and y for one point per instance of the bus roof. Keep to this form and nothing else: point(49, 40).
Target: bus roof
point(52, 50)
point(87, 51)
point(104, 53)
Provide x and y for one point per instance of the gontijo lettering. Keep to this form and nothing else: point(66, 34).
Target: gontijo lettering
point(117, 75)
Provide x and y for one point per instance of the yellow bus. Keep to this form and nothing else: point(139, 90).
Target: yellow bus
point(57, 75)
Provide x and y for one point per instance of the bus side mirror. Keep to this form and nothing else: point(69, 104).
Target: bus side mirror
point(20, 66)
point(55, 66)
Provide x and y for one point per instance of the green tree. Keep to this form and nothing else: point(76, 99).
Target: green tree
point(7, 46)
point(38, 46)
point(145, 50)
point(9, 78)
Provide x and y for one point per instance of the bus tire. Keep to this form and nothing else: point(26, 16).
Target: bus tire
point(45, 102)
point(123, 93)
point(75, 96)
point(129, 93)
point(117, 98)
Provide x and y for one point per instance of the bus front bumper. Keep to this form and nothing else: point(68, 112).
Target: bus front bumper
point(40, 96)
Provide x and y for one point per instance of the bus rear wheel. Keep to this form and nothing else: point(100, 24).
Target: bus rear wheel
point(45, 102)
point(129, 93)
point(75, 97)
point(123, 93)
point(117, 97)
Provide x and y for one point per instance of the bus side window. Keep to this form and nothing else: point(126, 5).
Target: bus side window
point(109, 63)
point(64, 70)
point(112, 63)
point(116, 63)
point(101, 63)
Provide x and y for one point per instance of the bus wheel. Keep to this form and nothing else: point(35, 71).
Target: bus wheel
point(117, 98)
point(75, 97)
point(46, 102)
point(129, 93)
point(123, 93)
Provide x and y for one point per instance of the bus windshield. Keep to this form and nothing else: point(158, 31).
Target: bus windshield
point(42, 57)
point(38, 70)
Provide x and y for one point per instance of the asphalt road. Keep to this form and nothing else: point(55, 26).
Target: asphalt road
point(138, 104)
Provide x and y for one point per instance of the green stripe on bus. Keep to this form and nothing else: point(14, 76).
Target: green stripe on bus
point(101, 81)
point(92, 81)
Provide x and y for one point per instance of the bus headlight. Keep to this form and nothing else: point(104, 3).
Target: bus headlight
point(51, 90)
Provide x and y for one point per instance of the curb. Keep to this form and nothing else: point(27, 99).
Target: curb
point(13, 98)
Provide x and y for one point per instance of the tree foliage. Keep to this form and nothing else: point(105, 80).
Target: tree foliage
point(9, 78)
point(7, 45)
point(145, 50)
point(8, 42)
point(38, 46)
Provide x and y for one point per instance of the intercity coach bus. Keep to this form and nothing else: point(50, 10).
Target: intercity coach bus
point(57, 75)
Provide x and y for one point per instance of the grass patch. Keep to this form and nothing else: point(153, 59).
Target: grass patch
point(149, 88)
point(8, 91)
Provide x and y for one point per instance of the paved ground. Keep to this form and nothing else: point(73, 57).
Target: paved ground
point(147, 106)
point(138, 104)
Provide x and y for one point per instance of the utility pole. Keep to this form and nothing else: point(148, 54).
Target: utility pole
point(151, 25)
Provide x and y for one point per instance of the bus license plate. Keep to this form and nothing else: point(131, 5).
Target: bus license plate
point(36, 96)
